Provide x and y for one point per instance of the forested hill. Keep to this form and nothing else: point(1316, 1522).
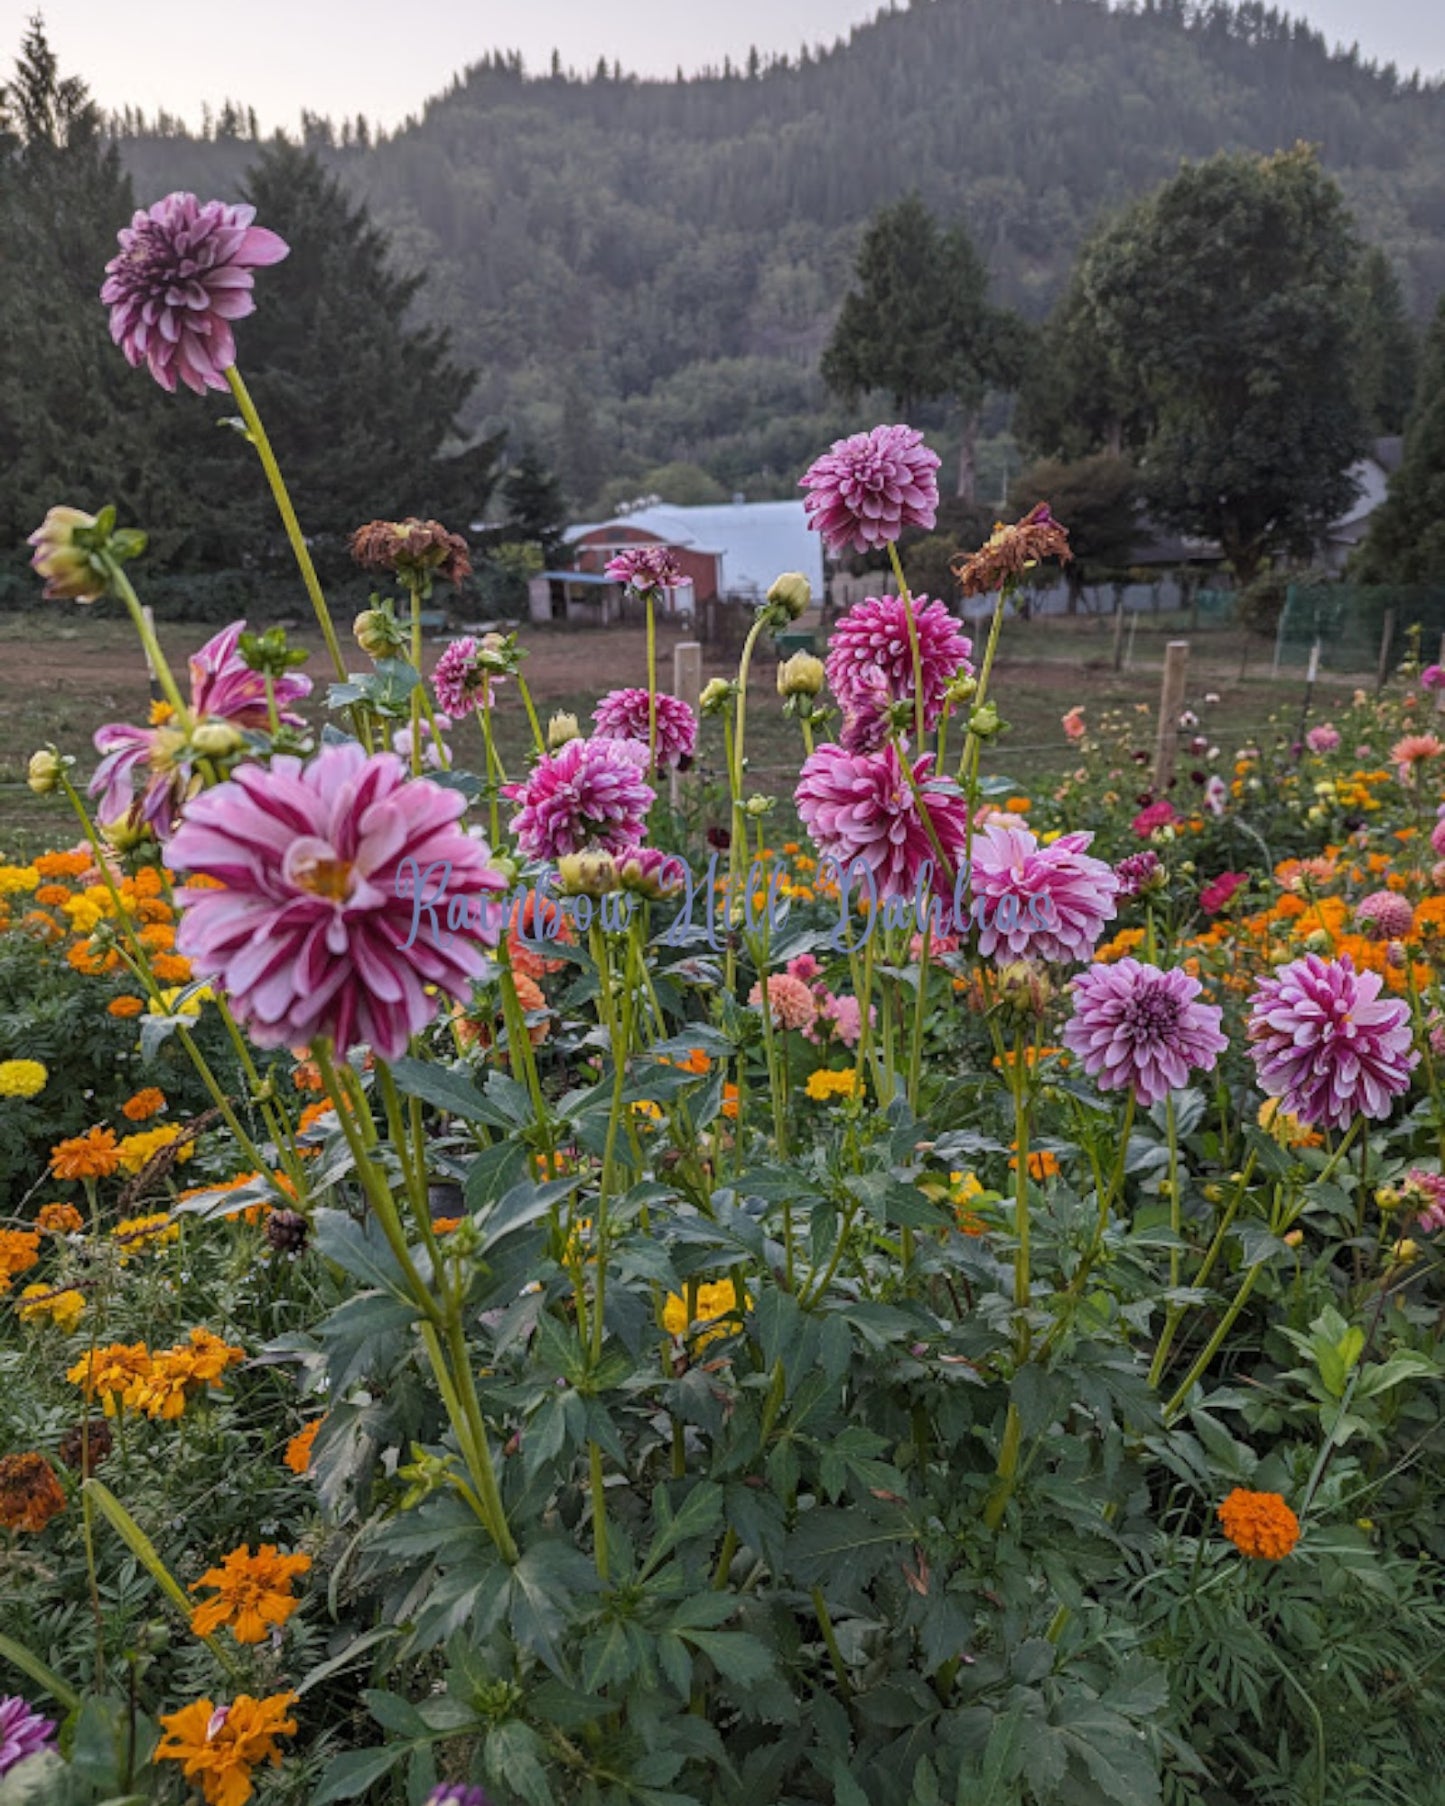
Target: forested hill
point(647, 270)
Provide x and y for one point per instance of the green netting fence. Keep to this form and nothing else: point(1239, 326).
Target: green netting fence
point(1360, 629)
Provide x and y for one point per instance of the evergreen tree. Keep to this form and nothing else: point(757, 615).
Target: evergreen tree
point(536, 512)
point(1387, 347)
point(919, 325)
point(1406, 542)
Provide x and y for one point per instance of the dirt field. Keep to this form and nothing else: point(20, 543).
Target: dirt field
point(64, 673)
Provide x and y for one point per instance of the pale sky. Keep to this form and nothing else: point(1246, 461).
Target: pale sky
point(385, 57)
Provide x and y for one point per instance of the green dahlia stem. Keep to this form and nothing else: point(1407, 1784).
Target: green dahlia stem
point(154, 656)
point(288, 516)
point(913, 645)
point(1009, 1448)
point(651, 684)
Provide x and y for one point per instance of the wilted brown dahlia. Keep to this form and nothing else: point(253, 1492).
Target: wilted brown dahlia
point(1012, 550)
point(30, 1494)
point(412, 548)
point(86, 1445)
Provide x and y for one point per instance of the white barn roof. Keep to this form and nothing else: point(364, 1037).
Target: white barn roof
point(757, 541)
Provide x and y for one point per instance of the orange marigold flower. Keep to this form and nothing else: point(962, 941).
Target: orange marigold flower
point(445, 1225)
point(52, 895)
point(145, 1104)
point(730, 1102)
point(253, 1593)
point(298, 1449)
point(62, 865)
point(148, 882)
point(153, 909)
point(59, 1219)
point(30, 1494)
point(110, 1374)
point(19, 1251)
point(1259, 1524)
point(157, 937)
point(1042, 1164)
point(307, 1076)
point(315, 1113)
point(171, 969)
point(177, 1374)
point(124, 1007)
point(218, 1747)
point(82, 958)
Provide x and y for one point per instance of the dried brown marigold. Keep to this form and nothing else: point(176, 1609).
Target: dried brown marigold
point(412, 548)
point(1013, 550)
point(86, 1445)
point(30, 1494)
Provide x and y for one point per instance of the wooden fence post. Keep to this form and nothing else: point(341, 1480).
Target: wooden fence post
point(157, 693)
point(1119, 635)
point(1387, 636)
point(1171, 704)
point(687, 687)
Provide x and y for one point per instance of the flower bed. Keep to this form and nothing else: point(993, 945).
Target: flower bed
point(506, 1305)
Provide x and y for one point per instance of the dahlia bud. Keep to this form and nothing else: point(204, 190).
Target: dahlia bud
point(1406, 1251)
point(587, 874)
point(86, 1445)
point(1294, 1238)
point(716, 696)
point(963, 688)
point(286, 1231)
point(45, 771)
point(217, 740)
point(800, 675)
point(1024, 988)
point(792, 594)
point(126, 833)
point(378, 632)
point(560, 729)
point(1395, 956)
point(1318, 942)
point(759, 806)
point(984, 722)
point(64, 543)
point(1387, 1198)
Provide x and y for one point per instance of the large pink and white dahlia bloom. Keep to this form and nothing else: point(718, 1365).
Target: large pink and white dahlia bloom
point(182, 276)
point(1327, 1045)
point(865, 490)
point(591, 796)
point(860, 806)
point(1142, 1030)
point(624, 715)
point(871, 642)
point(322, 927)
point(1034, 902)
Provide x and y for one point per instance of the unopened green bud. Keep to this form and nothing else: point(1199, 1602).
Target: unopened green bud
point(759, 806)
point(217, 740)
point(560, 729)
point(378, 633)
point(963, 688)
point(800, 675)
point(45, 771)
point(587, 874)
point(1024, 988)
point(715, 697)
point(792, 594)
point(984, 722)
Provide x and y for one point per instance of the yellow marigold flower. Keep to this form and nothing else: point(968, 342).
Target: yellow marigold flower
point(19, 1252)
point(139, 1150)
point(88, 909)
point(15, 880)
point(110, 1373)
point(146, 1103)
point(827, 1084)
point(63, 1309)
point(715, 1299)
point(30, 1494)
point(252, 1593)
point(133, 1235)
point(1287, 1130)
point(177, 1374)
point(648, 1110)
point(218, 1747)
point(1259, 1524)
point(171, 1003)
point(298, 1449)
point(59, 1219)
point(124, 1007)
point(22, 1078)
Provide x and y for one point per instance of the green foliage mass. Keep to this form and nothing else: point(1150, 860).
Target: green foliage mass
point(1407, 536)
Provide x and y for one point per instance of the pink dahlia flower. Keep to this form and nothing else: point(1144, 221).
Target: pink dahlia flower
point(23, 1732)
point(1154, 816)
point(1426, 1193)
point(862, 807)
point(436, 754)
point(1323, 739)
point(871, 641)
point(839, 1017)
point(224, 690)
point(1386, 915)
point(865, 714)
point(466, 674)
point(1216, 894)
point(347, 890)
point(1039, 902)
point(865, 490)
point(645, 568)
point(1073, 722)
point(792, 1003)
point(623, 715)
point(1327, 1045)
point(1433, 677)
point(591, 796)
point(1139, 872)
point(182, 276)
point(1142, 1030)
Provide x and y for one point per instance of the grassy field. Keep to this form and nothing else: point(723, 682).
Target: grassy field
point(64, 673)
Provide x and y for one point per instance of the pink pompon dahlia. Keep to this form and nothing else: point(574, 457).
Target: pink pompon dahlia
point(792, 1004)
point(1433, 677)
point(872, 641)
point(1142, 1030)
point(468, 672)
point(865, 490)
point(591, 796)
point(861, 807)
point(1327, 1045)
point(646, 568)
point(1386, 915)
point(225, 692)
point(1138, 872)
point(182, 276)
point(23, 1732)
point(346, 890)
point(1323, 739)
point(1039, 902)
point(623, 715)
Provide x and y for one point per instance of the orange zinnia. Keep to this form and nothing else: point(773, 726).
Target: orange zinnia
point(1259, 1524)
point(124, 1007)
point(253, 1593)
point(219, 1746)
point(93, 1155)
point(146, 1103)
point(298, 1449)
